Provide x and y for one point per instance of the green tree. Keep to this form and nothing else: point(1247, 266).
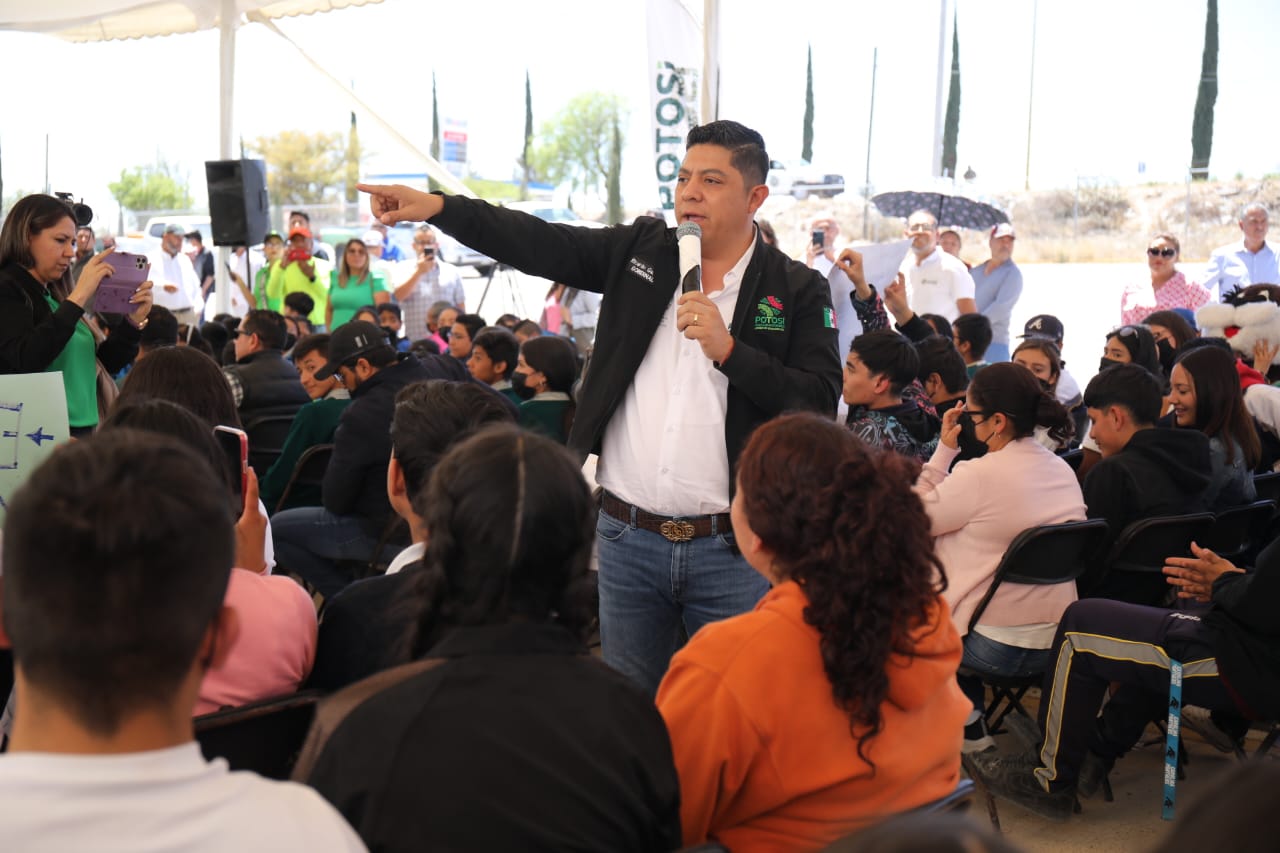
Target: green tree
point(806, 145)
point(574, 146)
point(157, 186)
point(303, 168)
point(434, 151)
point(528, 138)
point(613, 213)
point(951, 126)
point(1202, 123)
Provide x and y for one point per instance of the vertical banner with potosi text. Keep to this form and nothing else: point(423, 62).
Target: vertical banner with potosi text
point(675, 75)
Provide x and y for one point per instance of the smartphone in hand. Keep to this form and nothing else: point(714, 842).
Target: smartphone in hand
point(235, 446)
point(114, 292)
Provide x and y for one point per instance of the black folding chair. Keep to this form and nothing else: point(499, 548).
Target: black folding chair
point(1240, 532)
point(1039, 556)
point(1133, 570)
point(1268, 486)
point(265, 737)
point(307, 471)
point(1072, 457)
point(266, 439)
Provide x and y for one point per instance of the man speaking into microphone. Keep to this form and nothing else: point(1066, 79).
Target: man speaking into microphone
point(693, 351)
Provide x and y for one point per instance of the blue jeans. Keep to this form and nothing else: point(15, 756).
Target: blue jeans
point(650, 588)
point(987, 656)
point(996, 353)
point(311, 540)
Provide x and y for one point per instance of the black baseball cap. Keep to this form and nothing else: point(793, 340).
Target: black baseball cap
point(349, 341)
point(1044, 327)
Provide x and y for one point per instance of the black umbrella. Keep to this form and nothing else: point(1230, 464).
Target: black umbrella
point(947, 209)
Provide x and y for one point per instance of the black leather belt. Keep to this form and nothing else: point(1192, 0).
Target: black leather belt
point(673, 529)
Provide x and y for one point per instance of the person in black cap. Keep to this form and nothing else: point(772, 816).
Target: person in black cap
point(1230, 656)
point(310, 541)
point(1047, 327)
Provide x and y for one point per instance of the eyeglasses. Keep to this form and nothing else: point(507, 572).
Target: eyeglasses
point(239, 333)
point(1125, 332)
point(1161, 253)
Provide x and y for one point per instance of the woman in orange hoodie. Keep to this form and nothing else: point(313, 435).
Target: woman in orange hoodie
point(834, 703)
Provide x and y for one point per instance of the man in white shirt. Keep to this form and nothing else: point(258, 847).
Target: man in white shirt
point(677, 382)
point(424, 281)
point(1251, 260)
point(110, 645)
point(937, 283)
point(176, 285)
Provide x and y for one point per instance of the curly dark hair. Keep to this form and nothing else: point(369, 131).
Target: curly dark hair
point(814, 494)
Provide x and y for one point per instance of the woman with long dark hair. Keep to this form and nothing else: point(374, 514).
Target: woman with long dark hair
point(834, 702)
point(980, 507)
point(507, 694)
point(42, 322)
point(1205, 391)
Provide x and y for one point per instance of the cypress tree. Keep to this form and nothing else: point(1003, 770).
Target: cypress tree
point(614, 178)
point(432, 185)
point(528, 137)
point(806, 146)
point(951, 127)
point(1202, 124)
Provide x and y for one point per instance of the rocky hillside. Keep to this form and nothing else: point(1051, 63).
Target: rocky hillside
point(1098, 224)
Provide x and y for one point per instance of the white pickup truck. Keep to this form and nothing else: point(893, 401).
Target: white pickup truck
point(802, 179)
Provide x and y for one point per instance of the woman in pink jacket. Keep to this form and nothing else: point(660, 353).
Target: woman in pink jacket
point(978, 509)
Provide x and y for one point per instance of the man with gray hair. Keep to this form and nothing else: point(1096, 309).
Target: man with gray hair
point(937, 283)
point(1251, 260)
point(426, 280)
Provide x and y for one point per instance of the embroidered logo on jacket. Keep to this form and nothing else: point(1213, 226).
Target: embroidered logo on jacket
point(769, 316)
point(640, 269)
point(828, 318)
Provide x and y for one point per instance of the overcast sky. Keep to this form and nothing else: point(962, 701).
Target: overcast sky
point(1115, 86)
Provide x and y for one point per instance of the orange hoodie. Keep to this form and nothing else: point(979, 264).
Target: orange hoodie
point(766, 759)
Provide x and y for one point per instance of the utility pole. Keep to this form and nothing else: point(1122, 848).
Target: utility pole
point(936, 165)
point(866, 186)
point(1035, 8)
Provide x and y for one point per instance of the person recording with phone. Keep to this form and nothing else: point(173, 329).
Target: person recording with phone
point(425, 281)
point(299, 271)
point(42, 322)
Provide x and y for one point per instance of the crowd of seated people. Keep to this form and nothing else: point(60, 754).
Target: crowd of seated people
point(435, 586)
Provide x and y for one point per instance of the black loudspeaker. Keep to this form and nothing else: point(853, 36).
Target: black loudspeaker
point(238, 205)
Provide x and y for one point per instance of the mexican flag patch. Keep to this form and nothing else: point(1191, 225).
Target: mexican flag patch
point(828, 318)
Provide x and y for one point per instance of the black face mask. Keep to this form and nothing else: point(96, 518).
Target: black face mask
point(1046, 386)
point(969, 434)
point(518, 384)
point(1107, 362)
point(444, 334)
point(1167, 355)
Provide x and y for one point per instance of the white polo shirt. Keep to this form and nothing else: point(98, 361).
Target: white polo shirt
point(175, 269)
point(663, 449)
point(934, 285)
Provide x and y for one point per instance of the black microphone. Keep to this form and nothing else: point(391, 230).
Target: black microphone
point(689, 239)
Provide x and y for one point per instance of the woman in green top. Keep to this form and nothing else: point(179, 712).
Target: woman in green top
point(42, 327)
point(544, 376)
point(354, 285)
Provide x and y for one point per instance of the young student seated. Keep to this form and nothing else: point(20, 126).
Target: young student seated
point(972, 334)
point(1121, 653)
point(1205, 390)
point(942, 373)
point(979, 508)
point(116, 560)
point(1145, 472)
point(276, 620)
point(795, 724)
point(365, 626)
point(880, 366)
point(505, 734)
